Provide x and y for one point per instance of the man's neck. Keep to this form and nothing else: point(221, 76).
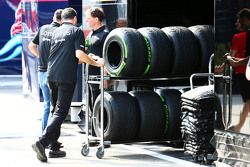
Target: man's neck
point(68, 21)
point(96, 27)
point(56, 21)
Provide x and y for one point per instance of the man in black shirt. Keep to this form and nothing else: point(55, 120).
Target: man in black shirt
point(40, 47)
point(96, 38)
point(67, 50)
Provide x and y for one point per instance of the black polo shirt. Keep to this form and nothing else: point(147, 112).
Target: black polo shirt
point(96, 40)
point(62, 66)
point(42, 39)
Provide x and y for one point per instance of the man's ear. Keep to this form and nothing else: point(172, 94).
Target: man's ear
point(75, 20)
point(96, 19)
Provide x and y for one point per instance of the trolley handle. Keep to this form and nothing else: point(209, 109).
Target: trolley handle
point(200, 75)
point(210, 75)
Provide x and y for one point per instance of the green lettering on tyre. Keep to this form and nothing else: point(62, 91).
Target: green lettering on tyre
point(166, 112)
point(167, 119)
point(148, 56)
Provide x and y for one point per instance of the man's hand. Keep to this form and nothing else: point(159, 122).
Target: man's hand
point(93, 56)
point(100, 61)
point(233, 61)
point(226, 55)
point(90, 59)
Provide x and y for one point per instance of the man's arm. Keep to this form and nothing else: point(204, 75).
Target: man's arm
point(241, 61)
point(237, 61)
point(84, 58)
point(233, 61)
point(248, 72)
point(33, 49)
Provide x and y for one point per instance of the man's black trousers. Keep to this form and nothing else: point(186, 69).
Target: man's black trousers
point(61, 96)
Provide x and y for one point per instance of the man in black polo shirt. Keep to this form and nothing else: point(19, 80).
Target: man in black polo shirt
point(67, 50)
point(40, 47)
point(96, 38)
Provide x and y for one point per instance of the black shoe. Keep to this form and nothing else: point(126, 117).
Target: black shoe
point(40, 151)
point(56, 153)
point(55, 146)
point(60, 144)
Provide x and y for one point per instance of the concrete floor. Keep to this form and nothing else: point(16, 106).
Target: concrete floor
point(20, 125)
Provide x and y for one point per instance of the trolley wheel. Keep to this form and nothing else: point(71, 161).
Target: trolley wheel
point(85, 150)
point(100, 152)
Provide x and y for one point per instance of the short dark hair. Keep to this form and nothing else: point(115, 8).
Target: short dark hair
point(245, 12)
point(58, 14)
point(68, 13)
point(97, 12)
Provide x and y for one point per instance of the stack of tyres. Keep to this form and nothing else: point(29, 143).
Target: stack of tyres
point(139, 115)
point(154, 52)
point(198, 120)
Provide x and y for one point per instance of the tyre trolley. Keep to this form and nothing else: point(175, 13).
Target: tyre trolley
point(99, 79)
point(226, 79)
point(89, 117)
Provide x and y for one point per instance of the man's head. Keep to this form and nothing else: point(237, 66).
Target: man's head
point(238, 26)
point(95, 17)
point(121, 22)
point(244, 18)
point(69, 15)
point(57, 16)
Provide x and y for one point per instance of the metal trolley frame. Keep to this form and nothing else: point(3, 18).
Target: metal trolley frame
point(227, 89)
point(227, 99)
point(88, 116)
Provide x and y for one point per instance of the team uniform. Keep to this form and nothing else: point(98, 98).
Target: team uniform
point(62, 75)
point(42, 39)
point(95, 42)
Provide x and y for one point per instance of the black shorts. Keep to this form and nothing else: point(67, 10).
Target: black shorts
point(244, 86)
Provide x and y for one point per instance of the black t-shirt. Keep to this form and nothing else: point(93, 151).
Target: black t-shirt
point(96, 40)
point(62, 65)
point(42, 39)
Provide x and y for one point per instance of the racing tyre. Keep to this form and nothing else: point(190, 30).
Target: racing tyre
point(205, 36)
point(152, 118)
point(185, 50)
point(171, 99)
point(159, 52)
point(125, 53)
point(121, 117)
